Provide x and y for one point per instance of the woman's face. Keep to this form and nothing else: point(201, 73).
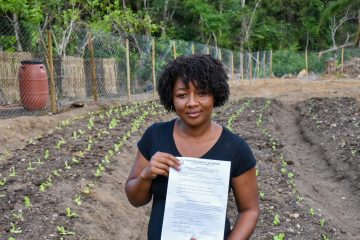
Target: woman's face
point(192, 105)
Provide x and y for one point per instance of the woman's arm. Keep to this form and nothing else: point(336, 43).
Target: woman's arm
point(247, 199)
point(139, 182)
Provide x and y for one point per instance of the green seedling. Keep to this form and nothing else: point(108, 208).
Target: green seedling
point(276, 221)
point(353, 152)
point(77, 200)
point(59, 143)
point(31, 141)
point(62, 231)
point(47, 154)
point(81, 154)
point(111, 153)
point(322, 222)
point(18, 216)
point(261, 194)
point(283, 170)
point(15, 229)
point(75, 135)
point(81, 132)
point(38, 161)
point(30, 167)
point(27, 202)
point(324, 237)
point(3, 182)
point(312, 211)
point(290, 175)
point(86, 190)
point(12, 172)
point(106, 159)
point(280, 236)
point(67, 166)
point(11, 238)
point(76, 161)
point(42, 187)
point(257, 172)
point(98, 172)
point(56, 173)
point(70, 213)
point(299, 199)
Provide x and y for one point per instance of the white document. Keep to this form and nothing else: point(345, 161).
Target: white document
point(196, 200)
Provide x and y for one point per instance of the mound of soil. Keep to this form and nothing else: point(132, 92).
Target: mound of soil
point(67, 182)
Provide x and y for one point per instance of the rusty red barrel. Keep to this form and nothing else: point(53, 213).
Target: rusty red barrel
point(33, 83)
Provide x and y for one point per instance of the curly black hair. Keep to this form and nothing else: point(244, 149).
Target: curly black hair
point(206, 72)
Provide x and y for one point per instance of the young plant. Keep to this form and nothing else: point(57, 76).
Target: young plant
point(77, 200)
point(12, 172)
point(56, 173)
point(3, 182)
point(322, 222)
point(75, 160)
point(312, 211)
point(47, 154)
point(261, 194)
point(38, 161)
point(67, 166)
point(276, 221)
point(62, 231)
point(15, 229)
point(30, 167)
point(70, 213)
point(280, 236)
point(324, 237)
point(59, 143)
point(18, 216)
point(27, 202)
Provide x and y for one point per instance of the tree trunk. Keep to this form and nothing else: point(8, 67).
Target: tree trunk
point(357, 38)
point(17, 32)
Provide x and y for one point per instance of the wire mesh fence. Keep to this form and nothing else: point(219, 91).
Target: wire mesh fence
point(85, 65)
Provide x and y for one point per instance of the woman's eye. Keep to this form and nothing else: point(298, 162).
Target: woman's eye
point(181, 95)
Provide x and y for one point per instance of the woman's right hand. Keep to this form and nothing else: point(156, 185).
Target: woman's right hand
point(160, 164)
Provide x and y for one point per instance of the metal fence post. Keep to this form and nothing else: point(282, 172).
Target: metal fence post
point(128, 69)
point(51, 73)
point(93, 67)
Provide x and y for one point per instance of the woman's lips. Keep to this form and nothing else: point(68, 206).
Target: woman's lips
point(193, 114)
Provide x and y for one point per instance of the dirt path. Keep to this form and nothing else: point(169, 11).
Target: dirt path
point(316, 181)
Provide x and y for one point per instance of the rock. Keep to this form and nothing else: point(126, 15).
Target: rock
point(302, 74)
point(294, 215)
point(78, 104)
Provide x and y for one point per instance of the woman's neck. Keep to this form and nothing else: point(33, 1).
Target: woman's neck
point(194, 131)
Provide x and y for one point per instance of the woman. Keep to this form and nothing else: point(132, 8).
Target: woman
point(192, 86)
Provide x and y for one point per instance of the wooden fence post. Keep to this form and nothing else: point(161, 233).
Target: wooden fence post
point(174, 49)
point(258, 65)
point(192, 48)
point(242, 65)
point(264, 60)
point(306, 61)
point(250, 62)
point(342, 60)
point(220, 57)
point(51, 73)
point(153, 66)
point(232, 66)
point(128, 69)
point(93, 68)
point(270, 64)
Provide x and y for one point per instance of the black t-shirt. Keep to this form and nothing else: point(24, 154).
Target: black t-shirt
point(159, 138)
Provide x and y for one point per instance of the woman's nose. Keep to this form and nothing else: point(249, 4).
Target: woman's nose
point(192, 100)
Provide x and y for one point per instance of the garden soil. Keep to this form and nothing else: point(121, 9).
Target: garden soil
point(325, 185)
